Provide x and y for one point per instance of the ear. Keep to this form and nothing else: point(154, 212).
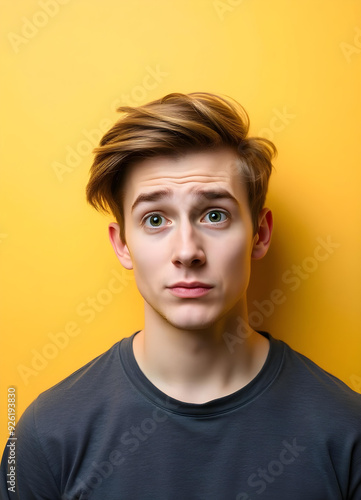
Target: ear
point(262, 239)
point(120, 248)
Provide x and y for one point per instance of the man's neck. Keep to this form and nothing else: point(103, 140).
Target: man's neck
point(197, 366)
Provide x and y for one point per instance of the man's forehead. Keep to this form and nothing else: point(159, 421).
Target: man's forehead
point(191, 181)
point(191, 172)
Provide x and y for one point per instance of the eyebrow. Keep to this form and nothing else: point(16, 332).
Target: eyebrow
point(160, 194)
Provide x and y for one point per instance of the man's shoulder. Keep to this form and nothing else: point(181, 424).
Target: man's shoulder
point(98, 366)
point(320, 388)
point(87, 387)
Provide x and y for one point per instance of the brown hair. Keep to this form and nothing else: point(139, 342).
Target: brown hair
point(172, 126)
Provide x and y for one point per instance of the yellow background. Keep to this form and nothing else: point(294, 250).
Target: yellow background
point(295, 66)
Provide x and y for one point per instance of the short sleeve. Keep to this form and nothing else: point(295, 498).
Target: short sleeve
point(355, 482)
point(33, 477)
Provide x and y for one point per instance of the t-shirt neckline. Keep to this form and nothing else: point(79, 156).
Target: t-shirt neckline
point(260, 383)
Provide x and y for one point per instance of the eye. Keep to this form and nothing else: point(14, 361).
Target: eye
point(216, 216)
point(154, 220)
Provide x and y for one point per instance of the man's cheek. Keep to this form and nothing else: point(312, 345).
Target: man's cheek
point(240, 267)
point(236, 253)
point(146, 269)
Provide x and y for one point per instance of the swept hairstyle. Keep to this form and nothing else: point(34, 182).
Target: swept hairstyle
point(173, 126)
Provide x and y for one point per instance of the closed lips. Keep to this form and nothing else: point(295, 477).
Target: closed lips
point(195, 284)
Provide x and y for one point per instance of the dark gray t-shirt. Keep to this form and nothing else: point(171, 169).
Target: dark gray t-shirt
point(106, 432)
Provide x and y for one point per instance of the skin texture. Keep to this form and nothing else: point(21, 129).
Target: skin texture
point(179, 235)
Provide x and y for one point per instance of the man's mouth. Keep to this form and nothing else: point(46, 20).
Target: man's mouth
point(190, 290)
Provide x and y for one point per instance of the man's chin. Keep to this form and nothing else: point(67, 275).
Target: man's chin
point(190, 323)
point(191, 317)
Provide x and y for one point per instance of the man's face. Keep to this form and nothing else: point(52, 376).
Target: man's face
point(189, 236)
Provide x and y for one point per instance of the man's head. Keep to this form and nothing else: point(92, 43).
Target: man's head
point(187, 188)
point(171, 127)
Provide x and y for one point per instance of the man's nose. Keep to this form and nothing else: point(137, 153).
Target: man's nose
point(188, 249)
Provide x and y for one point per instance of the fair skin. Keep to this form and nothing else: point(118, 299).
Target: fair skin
point(189, 240)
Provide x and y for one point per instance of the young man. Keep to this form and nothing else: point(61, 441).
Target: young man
point(197, 405)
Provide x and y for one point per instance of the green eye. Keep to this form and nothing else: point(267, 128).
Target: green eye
point(154, 220)
point(216, 216)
